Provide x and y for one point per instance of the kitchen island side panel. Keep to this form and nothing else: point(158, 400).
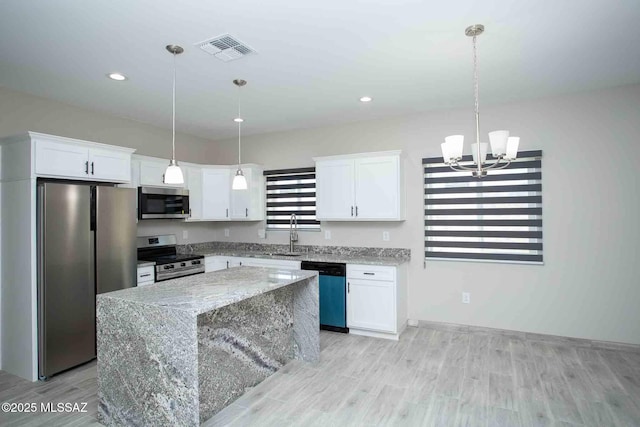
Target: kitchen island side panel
point(147, 365)
point(240, 345)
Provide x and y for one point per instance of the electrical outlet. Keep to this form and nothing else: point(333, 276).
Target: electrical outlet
point(413, 322)
point(262, 234)
point(226, 232)
point(327, 234)
point(466, 298)
point(385, 236)
point(185, 234)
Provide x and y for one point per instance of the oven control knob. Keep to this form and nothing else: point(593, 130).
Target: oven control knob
point(197, 262)
point(168, 267)
point(182, 264)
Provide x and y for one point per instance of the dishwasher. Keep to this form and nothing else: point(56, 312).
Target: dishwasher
point(333, 294)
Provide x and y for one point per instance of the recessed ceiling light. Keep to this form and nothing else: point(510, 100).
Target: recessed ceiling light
point(117, 76)
point(366, 99)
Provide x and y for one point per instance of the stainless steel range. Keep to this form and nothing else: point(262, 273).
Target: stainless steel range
point(169, 264)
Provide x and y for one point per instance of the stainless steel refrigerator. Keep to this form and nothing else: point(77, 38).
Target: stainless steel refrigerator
point(86, 245)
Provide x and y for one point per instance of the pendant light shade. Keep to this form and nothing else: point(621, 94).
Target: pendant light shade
point(173, 174)
point(239, 180)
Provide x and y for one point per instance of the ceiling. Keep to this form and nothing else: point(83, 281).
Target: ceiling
point(315, 58)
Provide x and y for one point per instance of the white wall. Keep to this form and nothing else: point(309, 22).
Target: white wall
point(20, 112)
point(587, 287)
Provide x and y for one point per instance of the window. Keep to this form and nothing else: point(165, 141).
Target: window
point(496, 218)
point(291, 191)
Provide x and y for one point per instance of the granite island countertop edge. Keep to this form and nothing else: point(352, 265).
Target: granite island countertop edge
point(221, 300)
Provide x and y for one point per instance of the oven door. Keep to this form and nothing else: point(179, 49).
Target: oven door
point(158, 203)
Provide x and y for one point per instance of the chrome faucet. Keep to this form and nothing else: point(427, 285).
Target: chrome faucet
point(293, 231)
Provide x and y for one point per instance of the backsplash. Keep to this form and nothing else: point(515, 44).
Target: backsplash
point(279, 248)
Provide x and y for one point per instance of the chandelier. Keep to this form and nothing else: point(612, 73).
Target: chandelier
point(504, 148)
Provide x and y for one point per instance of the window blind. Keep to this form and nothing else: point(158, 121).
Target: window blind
point(291, 191)
point(496, 218)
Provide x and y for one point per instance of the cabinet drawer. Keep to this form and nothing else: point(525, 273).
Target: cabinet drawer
point(145, 274)
point(371, 272)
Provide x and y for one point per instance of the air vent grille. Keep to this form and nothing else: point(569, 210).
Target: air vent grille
point(226, 47)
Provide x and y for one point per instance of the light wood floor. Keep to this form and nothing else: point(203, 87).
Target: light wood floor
point(433, 376)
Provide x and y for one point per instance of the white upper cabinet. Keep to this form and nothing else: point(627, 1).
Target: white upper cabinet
point(152, 172)
point(335, 189)
point(377, 186)
point(248, 205)
point(361, 187)
point(109, 164)
point(216, 190)
point(193, 177)
point(74, 159)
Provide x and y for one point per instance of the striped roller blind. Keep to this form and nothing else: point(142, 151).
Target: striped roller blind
point(496, 218)
point(291, 191)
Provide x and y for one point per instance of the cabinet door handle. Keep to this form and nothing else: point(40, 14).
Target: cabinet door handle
point(86, 167)
point(356, 211)
point(351, 210)
point(227, 214)
point(189, 212)
point(227, 264)
point(145, 275)
point(246, 212)
point(369, 274)
point(348, 287)
point(163, 178)
point(91, 168)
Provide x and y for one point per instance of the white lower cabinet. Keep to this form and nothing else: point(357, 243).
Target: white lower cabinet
point(215, 263)
point(220, 262)
point(271, 263)
point(376, 300)
point(146, 275)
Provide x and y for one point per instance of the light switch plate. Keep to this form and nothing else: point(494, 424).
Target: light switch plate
point(466, 298)
point(226, 232)
point(385, 236)
point(327, 234)
point(185, 234)
point(262, 234)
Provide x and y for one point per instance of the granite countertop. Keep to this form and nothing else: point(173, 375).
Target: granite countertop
point(202, 293)
point(316, 257)
point(145, 263)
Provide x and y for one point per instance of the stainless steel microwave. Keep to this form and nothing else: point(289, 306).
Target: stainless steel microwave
point(160, 202)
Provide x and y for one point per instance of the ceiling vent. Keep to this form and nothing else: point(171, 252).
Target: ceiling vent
point(226, 48)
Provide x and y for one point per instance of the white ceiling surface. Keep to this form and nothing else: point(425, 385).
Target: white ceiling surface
point(315, 58)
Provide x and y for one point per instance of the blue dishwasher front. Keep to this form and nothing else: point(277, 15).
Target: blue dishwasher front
point(333, 295)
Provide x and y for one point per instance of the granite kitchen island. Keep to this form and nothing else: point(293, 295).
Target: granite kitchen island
point(177, 352)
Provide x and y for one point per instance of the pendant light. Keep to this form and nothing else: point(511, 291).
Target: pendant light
point(239, 181)
point(173, 174)
point(504, 148)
